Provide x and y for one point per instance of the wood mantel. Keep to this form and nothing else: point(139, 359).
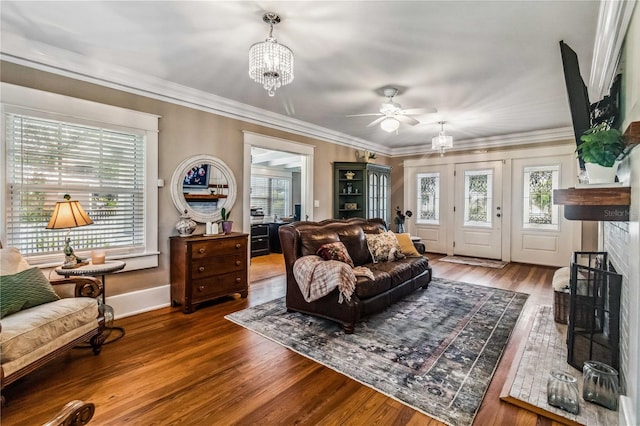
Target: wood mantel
point(614, 196)
point(600, 204)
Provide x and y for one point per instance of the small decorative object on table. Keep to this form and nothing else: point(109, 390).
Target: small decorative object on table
point(562, 392)
point(226, 223)
point(400, 218)
point(98, 257)
point(600, 384)
point(185, 225)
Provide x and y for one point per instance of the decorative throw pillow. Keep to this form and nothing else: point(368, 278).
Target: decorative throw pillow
point(24, 290)
point(335, 251)
point(406, 245)
point(384, 247)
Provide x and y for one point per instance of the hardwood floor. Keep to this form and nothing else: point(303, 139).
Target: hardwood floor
point(200, 369)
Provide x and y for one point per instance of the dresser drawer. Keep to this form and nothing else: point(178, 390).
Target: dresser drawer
point(202, 249)
point(220, 285)
point(221, 264)
point(259, 243)
point(260, 230)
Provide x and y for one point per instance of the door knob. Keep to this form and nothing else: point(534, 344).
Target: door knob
point(499, 215)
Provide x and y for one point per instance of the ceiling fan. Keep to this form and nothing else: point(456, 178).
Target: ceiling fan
point(391, 113)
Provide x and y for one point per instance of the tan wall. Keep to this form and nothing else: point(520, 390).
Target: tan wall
point(185, 132)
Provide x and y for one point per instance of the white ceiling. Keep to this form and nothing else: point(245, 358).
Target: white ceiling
point(491, 68)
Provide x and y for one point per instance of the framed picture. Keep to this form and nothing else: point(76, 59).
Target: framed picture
point(350, 206)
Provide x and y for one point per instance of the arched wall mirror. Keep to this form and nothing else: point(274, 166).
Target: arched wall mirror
point(202, 185)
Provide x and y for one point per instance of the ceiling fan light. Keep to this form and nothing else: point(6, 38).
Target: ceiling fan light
point(389, 124)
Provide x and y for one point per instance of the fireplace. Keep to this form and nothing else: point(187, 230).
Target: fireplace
point(594, 311)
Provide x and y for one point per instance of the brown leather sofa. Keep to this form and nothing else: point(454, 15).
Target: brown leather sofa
point(392, 280)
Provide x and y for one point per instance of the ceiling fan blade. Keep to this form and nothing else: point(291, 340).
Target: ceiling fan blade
point(364, 115)
point(407, 120)
point(376, 121)
point(418, 111)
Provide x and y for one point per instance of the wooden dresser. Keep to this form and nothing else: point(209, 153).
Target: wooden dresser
point(205, 268)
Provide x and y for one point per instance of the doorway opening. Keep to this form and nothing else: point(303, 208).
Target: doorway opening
point(278, 176)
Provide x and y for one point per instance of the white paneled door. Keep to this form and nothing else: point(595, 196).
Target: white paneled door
point(478, 210)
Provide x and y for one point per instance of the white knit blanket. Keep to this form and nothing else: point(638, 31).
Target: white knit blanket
point(317, 277)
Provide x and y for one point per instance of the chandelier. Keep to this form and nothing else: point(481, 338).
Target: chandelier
point(442, 141)
point(271, 63)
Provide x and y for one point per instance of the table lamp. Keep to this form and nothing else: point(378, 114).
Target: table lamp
point(69, 214)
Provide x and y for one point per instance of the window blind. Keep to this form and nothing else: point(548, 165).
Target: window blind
point(102, 168)
point(272, 195)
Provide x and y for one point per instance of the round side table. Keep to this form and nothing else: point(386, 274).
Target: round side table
point(91, 270)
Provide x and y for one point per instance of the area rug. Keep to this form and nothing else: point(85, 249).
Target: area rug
point(436, 350)
point(475, 261)
point(546, 350)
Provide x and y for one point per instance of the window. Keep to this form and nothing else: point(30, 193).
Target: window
point(428, 185)
point(104, 166)
point(271, 194)
point(539, 210)
point(478, 190)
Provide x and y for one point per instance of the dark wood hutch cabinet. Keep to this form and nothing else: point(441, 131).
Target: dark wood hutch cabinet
point(361, 190)
point(205, 268)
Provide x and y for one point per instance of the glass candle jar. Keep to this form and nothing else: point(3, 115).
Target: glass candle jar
point(562, 392)
point(600, 384)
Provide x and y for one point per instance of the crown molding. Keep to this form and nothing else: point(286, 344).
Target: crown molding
point(43, 57)
point(613, 22)
point(514, 139)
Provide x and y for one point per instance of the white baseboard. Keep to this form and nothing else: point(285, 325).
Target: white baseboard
point(627, 415)
point(137, 302)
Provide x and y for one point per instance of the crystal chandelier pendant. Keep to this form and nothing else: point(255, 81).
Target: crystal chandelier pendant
point(271, 63)
point(442, 141)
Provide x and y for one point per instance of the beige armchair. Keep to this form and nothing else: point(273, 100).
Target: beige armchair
point(31, 336)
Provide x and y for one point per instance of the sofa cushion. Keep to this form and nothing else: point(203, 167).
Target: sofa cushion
point(366, 288)
point(418, 264)
point(23, 290)
point(398, 271)
point(335, 251)
point(29, 329)
point(12, 262)
point(384, 247)
point(406, 245)
point(354, 240)
point(311, 239)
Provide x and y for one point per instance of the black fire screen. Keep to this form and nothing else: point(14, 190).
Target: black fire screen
point(594, 311)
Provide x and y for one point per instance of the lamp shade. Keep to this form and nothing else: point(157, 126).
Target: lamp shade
point(389, 124)
point(68, 214)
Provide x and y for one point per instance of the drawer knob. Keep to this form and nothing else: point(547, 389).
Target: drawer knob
point(201, 250)
point(238, 279)
point(238, 245)
point(201, 288)
point(201, 269)
point(238, 263)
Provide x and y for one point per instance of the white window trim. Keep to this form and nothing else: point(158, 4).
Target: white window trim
point(65, 108)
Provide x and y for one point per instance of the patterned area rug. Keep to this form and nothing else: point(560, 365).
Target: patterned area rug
point(475, 261)
point(435, 350)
